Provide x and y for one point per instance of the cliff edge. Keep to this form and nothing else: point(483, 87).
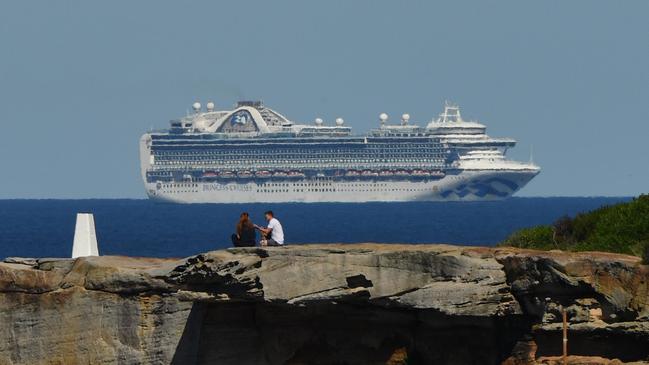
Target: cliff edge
point(323, 304)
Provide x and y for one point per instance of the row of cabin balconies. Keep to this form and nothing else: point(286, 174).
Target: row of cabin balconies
point(281, 162)
point(297, 166)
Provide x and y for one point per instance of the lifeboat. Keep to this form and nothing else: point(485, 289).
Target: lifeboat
point(386, 173)
point(226, 175)
point(280, 174)
point(210, 174)
point(244, 174)
point(262, 174)
point(401, 173)
point(352, 173)
point(295, 174)
point(369, 173)
point(420, 173)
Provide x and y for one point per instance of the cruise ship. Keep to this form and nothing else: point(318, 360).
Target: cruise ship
point(253, 153)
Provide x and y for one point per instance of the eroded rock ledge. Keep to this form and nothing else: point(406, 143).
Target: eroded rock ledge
point(322, 304)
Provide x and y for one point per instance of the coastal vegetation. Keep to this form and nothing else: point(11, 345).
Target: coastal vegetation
point(621, 228)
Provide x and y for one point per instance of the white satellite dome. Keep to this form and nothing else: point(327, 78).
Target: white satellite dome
point(196, 106)
point(383, 117)
point(405, 117)
point(318, 121)
point(340, 121)
point(210, 106)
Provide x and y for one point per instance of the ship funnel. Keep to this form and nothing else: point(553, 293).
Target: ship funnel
point(85, 238)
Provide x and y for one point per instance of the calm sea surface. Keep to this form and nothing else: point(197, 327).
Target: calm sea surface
point(45, 228)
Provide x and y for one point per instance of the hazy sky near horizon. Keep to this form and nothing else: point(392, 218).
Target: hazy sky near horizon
point(80, 81)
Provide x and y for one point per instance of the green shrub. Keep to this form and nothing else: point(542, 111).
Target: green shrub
point(563, 230)
point(539, 237)
point(622, 228)
point(645, 253)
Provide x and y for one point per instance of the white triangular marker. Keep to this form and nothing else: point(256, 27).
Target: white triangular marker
point(85, 238)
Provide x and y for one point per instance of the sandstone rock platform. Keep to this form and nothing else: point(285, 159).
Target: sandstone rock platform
point(324, 304)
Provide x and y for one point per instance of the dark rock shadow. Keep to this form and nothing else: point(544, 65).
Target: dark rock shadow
point(343, 333)
point(605, 342)
point(187, 349)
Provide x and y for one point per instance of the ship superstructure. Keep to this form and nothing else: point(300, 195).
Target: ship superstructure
point(254, 154)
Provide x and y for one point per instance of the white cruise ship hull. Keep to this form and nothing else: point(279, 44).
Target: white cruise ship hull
point(466, 185)
point(253, 154)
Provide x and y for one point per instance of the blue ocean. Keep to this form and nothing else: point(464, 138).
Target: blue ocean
point(45, 228)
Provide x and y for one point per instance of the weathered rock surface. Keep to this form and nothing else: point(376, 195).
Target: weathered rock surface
point(323, 304)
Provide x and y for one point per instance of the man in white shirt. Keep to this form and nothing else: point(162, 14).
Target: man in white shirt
point(273, 233)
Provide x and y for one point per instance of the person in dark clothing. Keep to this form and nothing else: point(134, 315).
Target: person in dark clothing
point(245, 236)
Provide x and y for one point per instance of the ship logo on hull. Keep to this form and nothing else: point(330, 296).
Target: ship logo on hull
point(241, 117)
point(239, 121)
point(484, 188)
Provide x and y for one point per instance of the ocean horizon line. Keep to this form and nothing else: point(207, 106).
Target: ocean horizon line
point(352, 203)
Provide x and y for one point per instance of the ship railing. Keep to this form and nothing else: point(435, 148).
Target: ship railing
point(294, 165)
point(319, 167)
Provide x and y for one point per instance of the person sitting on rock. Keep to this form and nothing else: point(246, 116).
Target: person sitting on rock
point(273, 234)
point(246, 235)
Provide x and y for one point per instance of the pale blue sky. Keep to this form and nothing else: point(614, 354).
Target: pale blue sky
point(81, 80)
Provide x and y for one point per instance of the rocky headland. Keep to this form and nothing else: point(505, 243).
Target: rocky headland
point(324, 304)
